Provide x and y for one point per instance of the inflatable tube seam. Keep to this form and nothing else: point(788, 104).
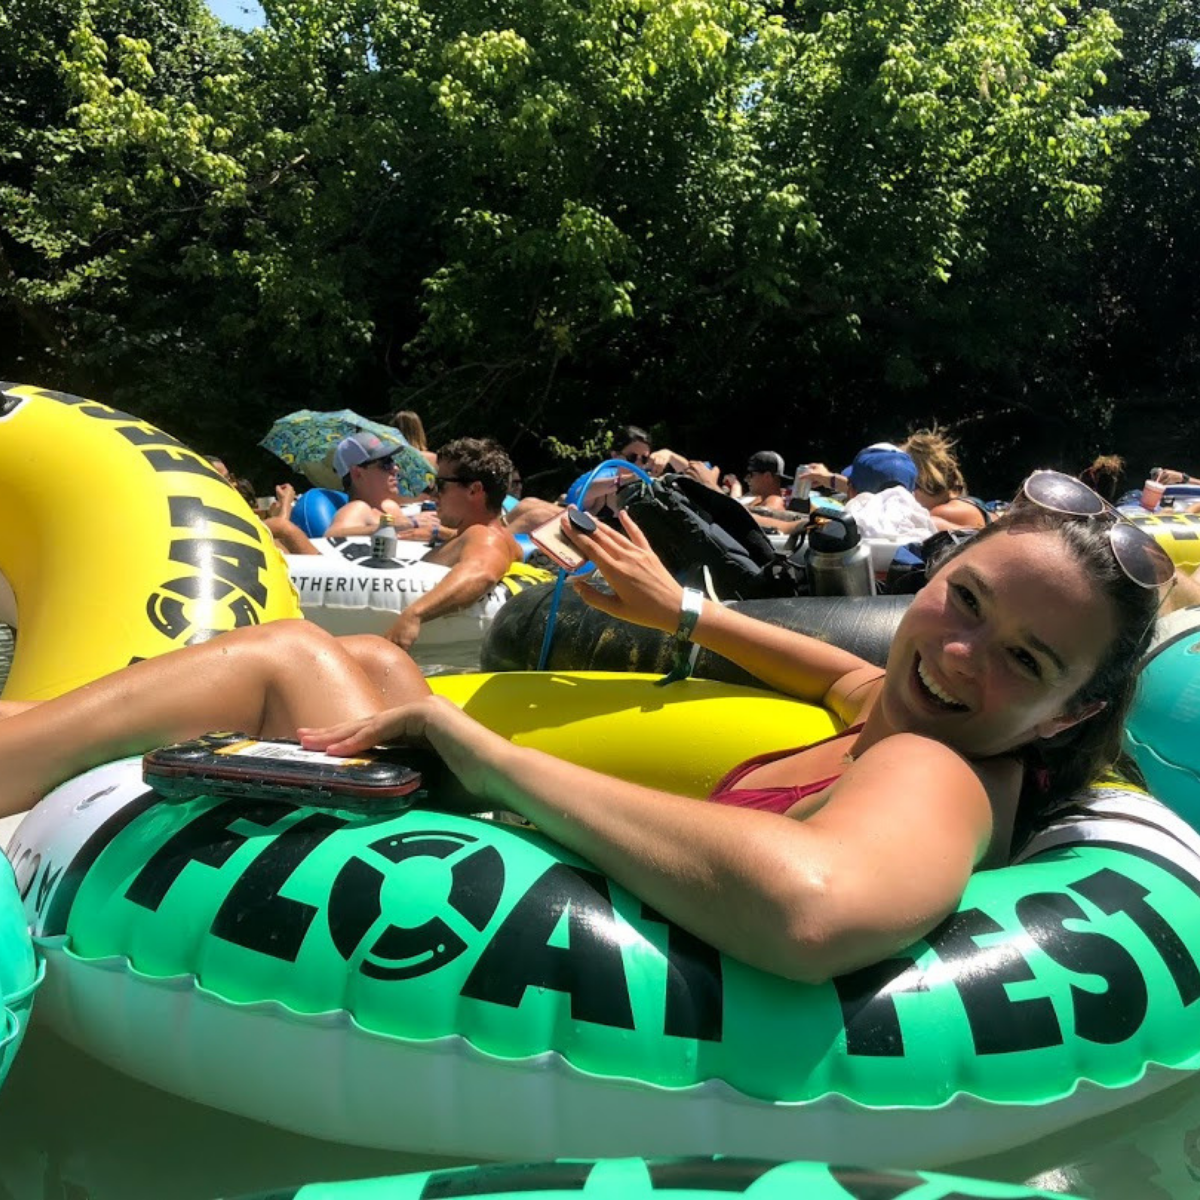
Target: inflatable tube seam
point(1150, 752)
point(23, 994)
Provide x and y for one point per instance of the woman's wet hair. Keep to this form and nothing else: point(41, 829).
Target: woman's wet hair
point(1060, 766)
point(937, 465)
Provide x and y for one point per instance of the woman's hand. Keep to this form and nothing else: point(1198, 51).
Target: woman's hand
point(664, 460)
point(645, 593)
point(707, 475)
point(408, 724)
point(817, 474)
point(432, 722)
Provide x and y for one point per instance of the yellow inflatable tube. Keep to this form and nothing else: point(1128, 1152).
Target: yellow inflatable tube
point(681, 738)
point(1177, 533)
point(118, 543)
point(151, 550)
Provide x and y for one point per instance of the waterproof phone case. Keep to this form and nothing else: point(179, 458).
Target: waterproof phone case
point(236, 764)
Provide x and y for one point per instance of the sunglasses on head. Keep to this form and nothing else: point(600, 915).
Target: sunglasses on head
point(636, 459)
point(1142, 559)
point(442, 482)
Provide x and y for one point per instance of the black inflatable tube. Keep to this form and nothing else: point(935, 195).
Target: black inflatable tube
point(586, 639)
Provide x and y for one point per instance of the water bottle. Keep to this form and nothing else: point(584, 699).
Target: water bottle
point(383, 541)
point(839, 564)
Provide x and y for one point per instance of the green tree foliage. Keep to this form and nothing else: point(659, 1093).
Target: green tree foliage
point(1142, 331)
point(525, 214)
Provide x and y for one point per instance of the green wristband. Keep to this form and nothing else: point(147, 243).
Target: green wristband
point(689, 613)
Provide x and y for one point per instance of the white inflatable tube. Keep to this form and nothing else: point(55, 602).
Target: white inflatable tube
point(345, 591)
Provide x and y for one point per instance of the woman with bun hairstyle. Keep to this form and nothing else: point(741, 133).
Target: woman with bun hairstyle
point(941, 488)
point(1004, 691)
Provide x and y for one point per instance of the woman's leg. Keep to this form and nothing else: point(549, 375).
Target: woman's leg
point(265, 680)
point(389, 668)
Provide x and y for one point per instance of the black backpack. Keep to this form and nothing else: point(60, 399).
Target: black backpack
point(691, 527)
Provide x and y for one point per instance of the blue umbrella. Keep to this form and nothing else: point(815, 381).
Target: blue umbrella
point(306, 440)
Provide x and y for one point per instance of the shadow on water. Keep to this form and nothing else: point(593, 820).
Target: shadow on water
point(1147, 1151)
point(72, 1129)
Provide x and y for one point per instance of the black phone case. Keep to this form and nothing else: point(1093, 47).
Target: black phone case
point(198, 768)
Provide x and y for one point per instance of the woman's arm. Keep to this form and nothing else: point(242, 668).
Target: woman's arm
point(882, 862)
point(645, 594)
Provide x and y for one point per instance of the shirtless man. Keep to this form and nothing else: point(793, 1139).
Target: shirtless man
point(472, 481)
point(367, 468)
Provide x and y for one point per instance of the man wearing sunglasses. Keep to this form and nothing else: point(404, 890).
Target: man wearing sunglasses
point(471, 483)
point(367, 468)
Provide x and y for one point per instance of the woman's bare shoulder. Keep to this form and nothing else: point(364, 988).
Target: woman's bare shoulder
point(914, 778)
point(852, 695)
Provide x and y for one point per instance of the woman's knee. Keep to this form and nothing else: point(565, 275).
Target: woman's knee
point(384, 662)
point(291, 636)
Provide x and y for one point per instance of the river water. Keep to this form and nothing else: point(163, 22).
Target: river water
point(73, 1129)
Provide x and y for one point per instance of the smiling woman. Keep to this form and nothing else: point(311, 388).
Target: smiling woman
point(618, 968)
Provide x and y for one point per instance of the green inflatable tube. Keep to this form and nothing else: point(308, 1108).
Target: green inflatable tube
point(1160, 732)
point(19, 974)
point(664, 1179)
point(421, 980)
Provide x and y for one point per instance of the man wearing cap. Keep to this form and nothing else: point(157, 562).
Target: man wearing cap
point(366, 465)
point(472, 481)
point(764, 481)
point(875, 469)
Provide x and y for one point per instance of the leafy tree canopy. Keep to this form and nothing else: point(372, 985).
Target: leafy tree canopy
point(751, 221)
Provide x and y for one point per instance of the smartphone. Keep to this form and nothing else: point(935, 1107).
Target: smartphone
point(236, 764)
point(552, 542)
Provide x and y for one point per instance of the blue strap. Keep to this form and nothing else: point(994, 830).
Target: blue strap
point(551, 620)
point(606, 466)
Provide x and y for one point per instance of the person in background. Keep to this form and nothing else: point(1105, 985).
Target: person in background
point(876, 468)
point(289, 537)
point(632, 443)
point(413, 431)
point(472, 481)
point(218, 464)
point(1169, 476)
point(1103, 476)
point(245, 489)
point(367, 468)
point(765, 474)
point(941, 489)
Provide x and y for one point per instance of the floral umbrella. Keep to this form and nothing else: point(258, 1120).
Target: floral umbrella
point(306, 440)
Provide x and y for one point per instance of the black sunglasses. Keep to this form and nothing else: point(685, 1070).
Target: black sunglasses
point(442, 482)
point(637, 459)
point(1142, 559)
point(388, 463)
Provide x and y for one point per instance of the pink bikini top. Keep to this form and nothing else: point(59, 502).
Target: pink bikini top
point(772, 799)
